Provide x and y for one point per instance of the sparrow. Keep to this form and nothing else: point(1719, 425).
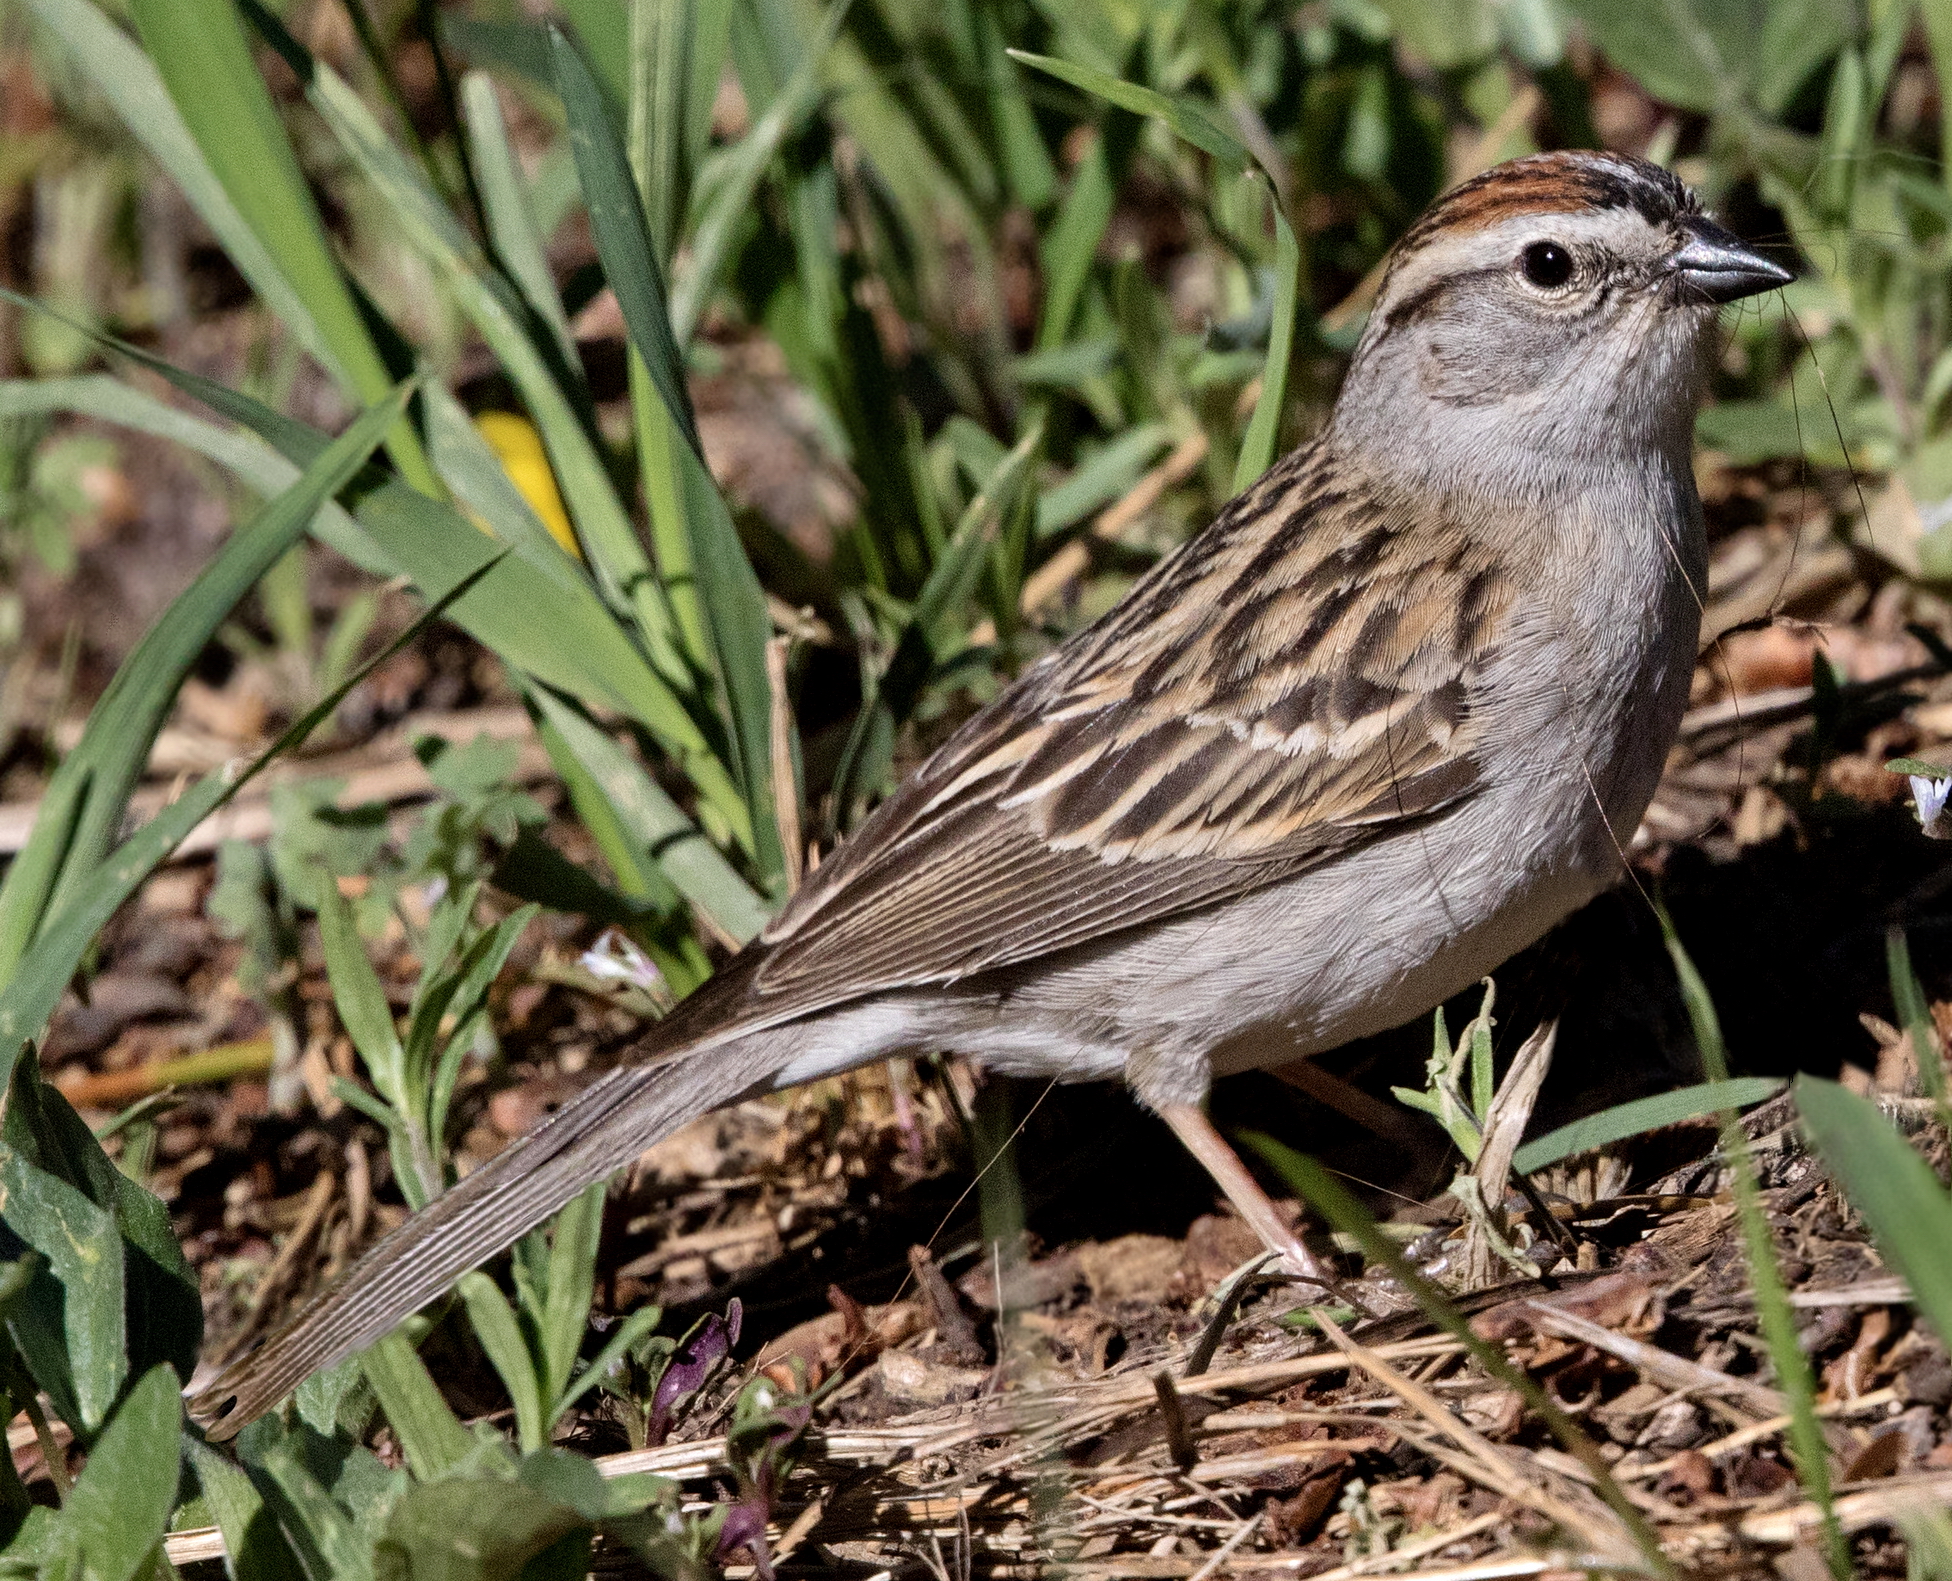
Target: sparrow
point(1392, 715)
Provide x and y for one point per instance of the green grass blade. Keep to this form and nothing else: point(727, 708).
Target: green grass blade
point(1908, 1211)
point(565, 1315)
point(512, 227)
point(660, 105)
point(1773, 1313)
point(36, 986)
point(1186, 119)
point(1257, 450)
point(493, 1321)
point(130, 84)
point(602, 524)
point(86, 800)
point(431, 1435)
point(657, 826)
point(603, 28)
point(200, 50)
point(1915, 1016)
point(1330, 1198)
point(1070, 245)
point(733, 601)
point(1100, 478)
point(1641, 1115)
point(623, 239)
point(253, 462)
point(738, 183)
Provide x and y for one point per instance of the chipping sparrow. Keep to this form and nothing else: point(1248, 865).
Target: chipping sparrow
point(1390, 717)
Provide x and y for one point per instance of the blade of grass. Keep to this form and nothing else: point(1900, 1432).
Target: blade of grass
point(1257, 450)
point(1915, 1016)
point(1773, 1312)
point(1187, 120)
point(1908, 1211)
point(493, 1321)
point(739, 177)
point(200, 51)
point(35, 988)
point(729, 590)
point(659, 829)
point(130, 84)
point(1640, 1116)
point(622, 235)
point(1328, 1197)
point(603, 526)
point(259, 467)
point(660, 105)
point(512, 228)
point(89, 793)
point(431, 1435)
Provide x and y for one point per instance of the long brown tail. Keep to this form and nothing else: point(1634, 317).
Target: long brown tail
point(597, 1132)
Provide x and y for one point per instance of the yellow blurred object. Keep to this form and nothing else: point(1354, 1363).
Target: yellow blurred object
point(519, 448)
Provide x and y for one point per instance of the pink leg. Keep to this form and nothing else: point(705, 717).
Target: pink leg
point(1191, 1126)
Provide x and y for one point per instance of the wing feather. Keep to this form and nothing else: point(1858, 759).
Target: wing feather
point(1291, 685)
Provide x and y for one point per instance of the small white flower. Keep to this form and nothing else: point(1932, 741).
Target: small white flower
point(1929, 795)
point(615, 959)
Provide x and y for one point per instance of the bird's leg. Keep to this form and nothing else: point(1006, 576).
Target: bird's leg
point(1191, 1126)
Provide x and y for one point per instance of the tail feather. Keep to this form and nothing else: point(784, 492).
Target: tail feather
point(597, 1132)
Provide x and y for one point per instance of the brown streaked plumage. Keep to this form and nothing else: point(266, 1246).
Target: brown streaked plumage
point(1392, 715)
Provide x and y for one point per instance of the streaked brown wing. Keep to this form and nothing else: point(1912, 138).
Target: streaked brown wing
point(1294, 683)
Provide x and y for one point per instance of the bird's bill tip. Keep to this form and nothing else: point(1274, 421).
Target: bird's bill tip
point(1716, 267)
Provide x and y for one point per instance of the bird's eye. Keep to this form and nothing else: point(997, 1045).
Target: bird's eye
point(1547, 265)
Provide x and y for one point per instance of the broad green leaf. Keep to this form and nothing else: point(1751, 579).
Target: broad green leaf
point(89, 793)
point(120, 1505)
point(1908, 1211)
point(200, 50)
point(1639, 1116)
point(69, 1325)
point(162, 1306)
point(314, 1524)
point(431, 1436)
point(253, 1544)
point(493, 1320)
point(478, 1529)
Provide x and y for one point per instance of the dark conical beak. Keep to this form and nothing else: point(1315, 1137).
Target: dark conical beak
point(1712, 266)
